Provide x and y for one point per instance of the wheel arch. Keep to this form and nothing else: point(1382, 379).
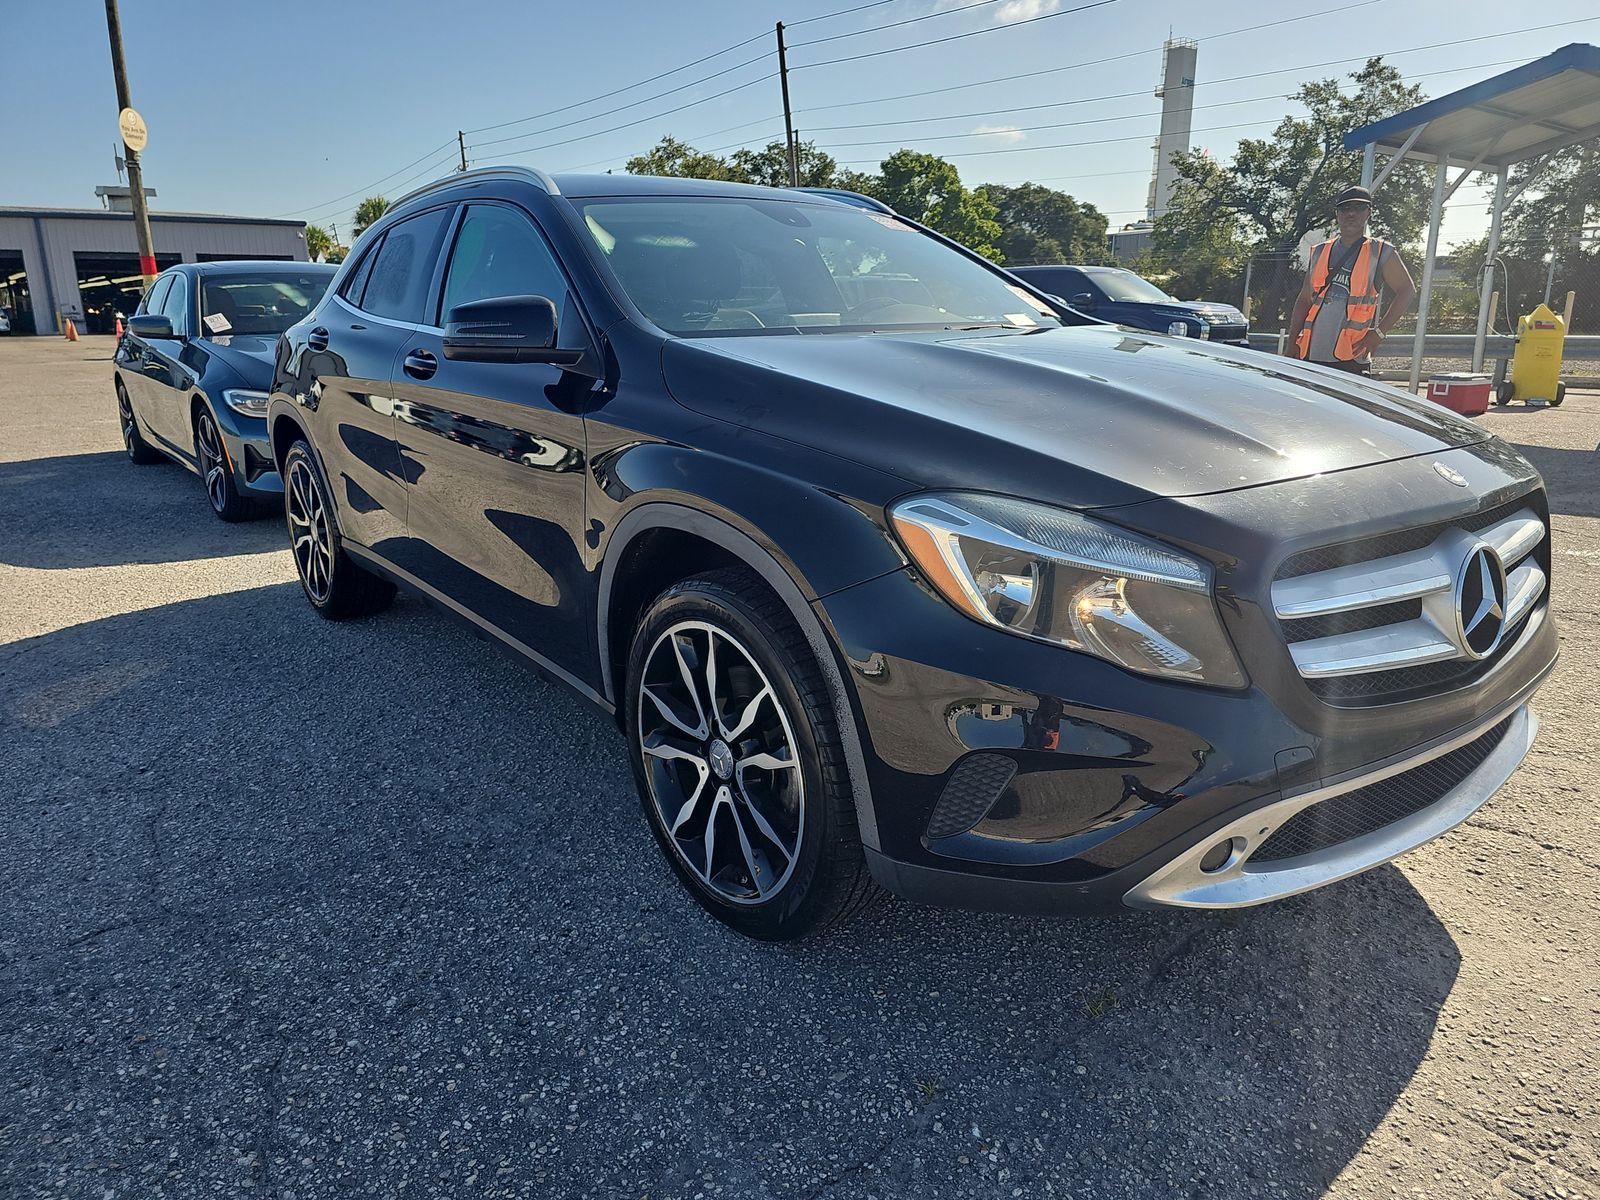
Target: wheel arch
point(662, 532)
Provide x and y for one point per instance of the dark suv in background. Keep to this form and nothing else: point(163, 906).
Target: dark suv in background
point(889, 569)
point(1120, 296)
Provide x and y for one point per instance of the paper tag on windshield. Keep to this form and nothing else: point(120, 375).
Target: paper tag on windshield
point(217, 323)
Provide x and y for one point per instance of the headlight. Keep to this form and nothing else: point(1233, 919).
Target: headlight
point(241, 400)
point(1178, 328)
point(1059, 577)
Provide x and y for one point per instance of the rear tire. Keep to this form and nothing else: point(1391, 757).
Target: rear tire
point(739, 762)
point(1504, 394)
point(139, 451)
point(337, 587)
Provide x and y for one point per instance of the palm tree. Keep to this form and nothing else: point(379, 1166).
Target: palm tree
point(319, 243)
point(368, 211)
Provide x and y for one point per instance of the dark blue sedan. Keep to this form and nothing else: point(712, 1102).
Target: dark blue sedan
point(193, 370)
point(1124, 298)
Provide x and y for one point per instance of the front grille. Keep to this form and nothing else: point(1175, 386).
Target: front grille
point(1373, 620)
point(1356, 813)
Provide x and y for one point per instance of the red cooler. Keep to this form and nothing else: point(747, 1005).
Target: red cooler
point(1460, 392)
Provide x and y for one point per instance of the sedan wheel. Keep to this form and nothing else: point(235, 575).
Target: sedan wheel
point(139, 450)
point(213, 466)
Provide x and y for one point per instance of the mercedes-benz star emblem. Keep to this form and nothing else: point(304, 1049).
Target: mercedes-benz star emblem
point(1450, 474)
point(1481, 601)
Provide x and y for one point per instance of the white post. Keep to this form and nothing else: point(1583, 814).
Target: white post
point(1434, 209)
point(1368, 154)
point(1485, 301)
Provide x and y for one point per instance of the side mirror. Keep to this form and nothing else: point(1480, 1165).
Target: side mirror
point(1082, 300)
point(150, 326)
point(507, 329)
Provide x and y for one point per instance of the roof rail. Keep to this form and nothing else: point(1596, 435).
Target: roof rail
point(529, 174)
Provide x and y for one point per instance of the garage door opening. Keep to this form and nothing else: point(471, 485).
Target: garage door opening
point(16, 306)
point(109, 285)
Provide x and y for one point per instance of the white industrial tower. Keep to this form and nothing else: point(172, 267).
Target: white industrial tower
point(1177, 111)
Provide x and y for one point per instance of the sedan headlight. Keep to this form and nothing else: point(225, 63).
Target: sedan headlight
point(242, 400)
point(1178, 328)
point(1056, 576)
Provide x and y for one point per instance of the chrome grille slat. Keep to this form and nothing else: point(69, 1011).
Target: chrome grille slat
point(1425, 575)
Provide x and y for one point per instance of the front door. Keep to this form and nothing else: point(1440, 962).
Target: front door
point(494, 452)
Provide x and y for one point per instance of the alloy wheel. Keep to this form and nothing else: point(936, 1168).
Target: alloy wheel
point(309, 535)
point(130, 431)
point(212, 464)
point(721, 763)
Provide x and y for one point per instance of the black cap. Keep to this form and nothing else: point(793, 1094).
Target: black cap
point(1353, 193)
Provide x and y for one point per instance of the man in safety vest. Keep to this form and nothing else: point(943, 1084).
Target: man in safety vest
point(1336, 321)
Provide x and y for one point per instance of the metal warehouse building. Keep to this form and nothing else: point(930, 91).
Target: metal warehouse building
point(83, 263)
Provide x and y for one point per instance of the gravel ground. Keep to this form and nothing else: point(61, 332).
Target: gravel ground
point(303, 910)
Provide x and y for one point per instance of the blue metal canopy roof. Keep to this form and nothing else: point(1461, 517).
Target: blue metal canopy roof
point(1519, 114)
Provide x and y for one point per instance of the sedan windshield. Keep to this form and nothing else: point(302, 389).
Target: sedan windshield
point(1124, 287)
point(720, 266)
point(267, 303)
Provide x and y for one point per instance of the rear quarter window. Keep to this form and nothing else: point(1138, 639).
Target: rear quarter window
point(402, 268)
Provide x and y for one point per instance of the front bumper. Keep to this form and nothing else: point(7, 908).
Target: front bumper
point(255, 473)
point(1107, 789)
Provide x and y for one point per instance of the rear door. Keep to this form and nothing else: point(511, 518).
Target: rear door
point(352, 353)
point(495, 451)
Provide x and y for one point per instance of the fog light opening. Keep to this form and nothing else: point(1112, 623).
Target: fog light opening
point(1221, 856)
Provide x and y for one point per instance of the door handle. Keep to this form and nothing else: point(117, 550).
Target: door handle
point(420, 364)
point(317, 339)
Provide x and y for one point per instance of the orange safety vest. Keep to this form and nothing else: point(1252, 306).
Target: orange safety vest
point(1361, 309)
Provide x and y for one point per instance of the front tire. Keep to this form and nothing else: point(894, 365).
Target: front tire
point(337, 587)
point(216, 472)
point(739, 762)
point(139, 451)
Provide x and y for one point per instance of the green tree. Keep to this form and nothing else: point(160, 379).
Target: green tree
point(1043, 225)
point(770, 166)
point(319, 242)
point(672, 157)
point(928, 189)
point(1192, 254)
point(1277, 189)
point(368, 211)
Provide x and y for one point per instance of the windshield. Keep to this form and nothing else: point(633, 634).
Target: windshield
point(1124, 287)
point(267, 303)
point(717, 266)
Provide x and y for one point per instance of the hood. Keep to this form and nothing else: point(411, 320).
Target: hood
point(1087, 416)
point(251, 355)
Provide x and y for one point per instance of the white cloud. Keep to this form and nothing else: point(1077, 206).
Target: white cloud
point(1022, 10)
point(1001, 133)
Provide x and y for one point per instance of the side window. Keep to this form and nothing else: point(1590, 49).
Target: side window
point(151, 304)
point(175, 306)
point(356, 284)
point(402, 268)
point(498, 252)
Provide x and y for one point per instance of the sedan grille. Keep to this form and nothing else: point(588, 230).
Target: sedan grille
point(1403, 615)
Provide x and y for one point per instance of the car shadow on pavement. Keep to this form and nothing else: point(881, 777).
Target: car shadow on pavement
point(98, 510)
point(1570, 477)
point(289, 901)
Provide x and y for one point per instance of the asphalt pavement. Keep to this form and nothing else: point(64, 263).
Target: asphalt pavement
point(301, 910)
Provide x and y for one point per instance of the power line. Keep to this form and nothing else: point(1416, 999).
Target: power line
point(636, 84)
point(944, 12)
point(956, 37)
point(1101, 120)
point(367, 188)
point(1137, 137)
point(843, 12)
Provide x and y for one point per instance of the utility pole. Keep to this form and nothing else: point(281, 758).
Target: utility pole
point(461, 140)
point(788, 114)
point(141, 215)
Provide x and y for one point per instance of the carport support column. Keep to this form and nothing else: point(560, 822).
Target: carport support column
point(1368, 159)
point(1487, 290)
point(1435, 208)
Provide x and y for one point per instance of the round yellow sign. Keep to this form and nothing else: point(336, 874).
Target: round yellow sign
point(134, 134)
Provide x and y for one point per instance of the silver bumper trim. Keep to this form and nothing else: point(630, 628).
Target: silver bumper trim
point(1236, 884)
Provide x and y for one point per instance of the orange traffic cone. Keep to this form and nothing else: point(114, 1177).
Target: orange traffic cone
point(117, 330)
point(72, 331)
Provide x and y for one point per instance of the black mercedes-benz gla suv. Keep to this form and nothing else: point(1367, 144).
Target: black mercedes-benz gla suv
point(890, 570)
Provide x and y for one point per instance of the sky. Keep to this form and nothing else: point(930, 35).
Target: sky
point(300, 109)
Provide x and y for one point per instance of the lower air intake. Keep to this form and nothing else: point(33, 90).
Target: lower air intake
point(970, 794)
